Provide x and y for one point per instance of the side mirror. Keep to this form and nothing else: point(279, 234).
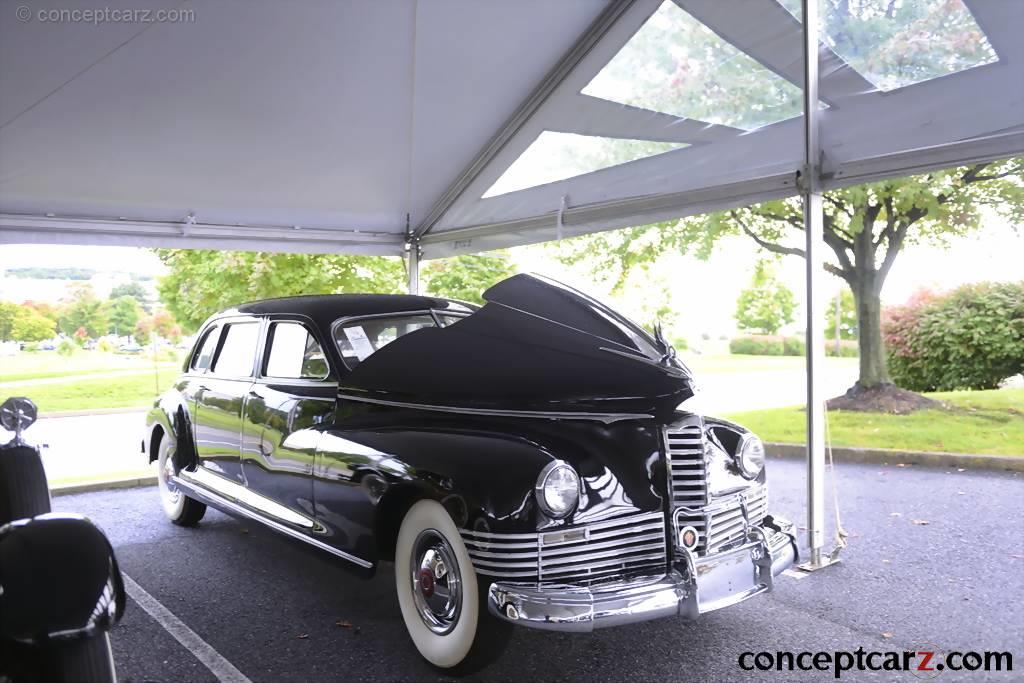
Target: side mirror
point(17, 414)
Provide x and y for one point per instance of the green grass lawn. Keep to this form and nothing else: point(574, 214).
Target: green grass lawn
point(114, 392)
point(45, 364)
point(986, 422)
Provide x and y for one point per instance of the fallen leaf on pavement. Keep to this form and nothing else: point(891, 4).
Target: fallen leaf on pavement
point(303, 636)
point(895, 514)
point(920, 522)
point(886, 634)
point(342, 623)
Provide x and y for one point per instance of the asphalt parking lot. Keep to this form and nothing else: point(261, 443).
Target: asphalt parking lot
point(935, 561)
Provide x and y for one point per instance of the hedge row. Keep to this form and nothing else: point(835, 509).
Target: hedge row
point(775, 345)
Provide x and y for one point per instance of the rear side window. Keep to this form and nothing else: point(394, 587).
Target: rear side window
point(357, 340)
point(238, 352)
point(203, 357)
point(294, 353)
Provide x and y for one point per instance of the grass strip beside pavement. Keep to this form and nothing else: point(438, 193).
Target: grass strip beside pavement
point(982, 422)
point(127, 391)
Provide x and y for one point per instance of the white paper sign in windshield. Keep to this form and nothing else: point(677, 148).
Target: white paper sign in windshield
point(360, 343)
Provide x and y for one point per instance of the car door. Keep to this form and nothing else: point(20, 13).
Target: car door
point(295, 389)
point(220, 397)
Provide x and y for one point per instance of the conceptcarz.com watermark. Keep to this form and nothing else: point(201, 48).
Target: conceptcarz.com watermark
point(104, 15)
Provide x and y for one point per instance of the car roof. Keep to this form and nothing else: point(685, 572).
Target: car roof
point(323, 309)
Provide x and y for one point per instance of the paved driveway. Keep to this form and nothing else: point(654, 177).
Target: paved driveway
point(270, 606)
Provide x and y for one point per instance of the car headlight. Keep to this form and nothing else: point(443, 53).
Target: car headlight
point(558, 489)
point(751, 456)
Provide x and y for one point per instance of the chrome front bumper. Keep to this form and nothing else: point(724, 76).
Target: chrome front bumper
point(695, 585)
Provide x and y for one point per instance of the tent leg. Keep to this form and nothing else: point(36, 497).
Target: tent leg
point(414, 252)
point(814, 236)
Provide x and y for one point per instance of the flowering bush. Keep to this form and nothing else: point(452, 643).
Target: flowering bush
point(971, 338)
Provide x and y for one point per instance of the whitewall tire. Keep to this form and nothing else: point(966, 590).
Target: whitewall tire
point(441, 600)
point(178, 507)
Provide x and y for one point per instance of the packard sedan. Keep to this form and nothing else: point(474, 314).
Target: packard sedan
point(521, 463)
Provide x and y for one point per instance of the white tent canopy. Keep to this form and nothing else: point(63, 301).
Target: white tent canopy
point(351, 126)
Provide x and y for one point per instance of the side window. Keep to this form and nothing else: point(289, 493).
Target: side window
point(446, 319)
point(360, 338)
point(204, 355)
point(294, 353)
point(238, 351)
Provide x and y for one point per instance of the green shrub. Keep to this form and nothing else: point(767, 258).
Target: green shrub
point(847, 348)
point(67, 347)
point(680, 344)
point(105, 346)
point(971, 338)
point(757, 345)
point(793, 346)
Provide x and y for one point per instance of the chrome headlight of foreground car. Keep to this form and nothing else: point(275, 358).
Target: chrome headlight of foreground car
point(750, 457)
point(557, 489)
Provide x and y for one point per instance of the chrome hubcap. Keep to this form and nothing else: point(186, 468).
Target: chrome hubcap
point(436, 584)
point(168, 490)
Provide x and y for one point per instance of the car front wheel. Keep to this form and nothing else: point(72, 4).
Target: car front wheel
point(178, 507)
point(442, 603)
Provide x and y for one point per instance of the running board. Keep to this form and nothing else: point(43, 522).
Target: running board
point(221, 501)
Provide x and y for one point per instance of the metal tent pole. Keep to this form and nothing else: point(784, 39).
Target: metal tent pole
point(813, 233)
point(414, 253)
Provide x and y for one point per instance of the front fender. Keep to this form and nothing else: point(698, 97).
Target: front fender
point(170, 415)
point(482, 479)
point(60, 579)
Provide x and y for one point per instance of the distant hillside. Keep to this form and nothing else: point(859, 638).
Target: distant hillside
point(60, 274)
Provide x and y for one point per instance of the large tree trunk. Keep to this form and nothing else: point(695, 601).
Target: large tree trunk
point(867, 288)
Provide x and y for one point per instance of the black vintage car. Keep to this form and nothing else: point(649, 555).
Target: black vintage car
point(525, 462)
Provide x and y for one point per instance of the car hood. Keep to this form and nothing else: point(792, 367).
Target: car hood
point(536, 345)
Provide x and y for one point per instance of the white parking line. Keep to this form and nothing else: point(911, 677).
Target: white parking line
point(224, 670)
point(794, 574)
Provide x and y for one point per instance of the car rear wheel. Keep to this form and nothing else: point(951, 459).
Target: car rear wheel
point(443, 605)
point(178, 507)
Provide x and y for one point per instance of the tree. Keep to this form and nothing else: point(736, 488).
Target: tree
point(847, 317)
point(201, 282)
point(134, 290)
point(865, 227)
point(122, 314)
point(8, 314)
point(767, 304)
point(144, 331)
point(83, 311)
point(466, 277)
point(30, 326)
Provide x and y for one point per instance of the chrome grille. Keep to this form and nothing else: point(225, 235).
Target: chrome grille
point(725, 519)
point(684, 444)
point(604, 550)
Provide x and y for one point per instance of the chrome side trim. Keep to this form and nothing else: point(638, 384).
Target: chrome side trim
point(223, 502)
point(606, 418)
point(240, 493)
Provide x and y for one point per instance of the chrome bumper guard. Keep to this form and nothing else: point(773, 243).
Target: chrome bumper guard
point(695, 585)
